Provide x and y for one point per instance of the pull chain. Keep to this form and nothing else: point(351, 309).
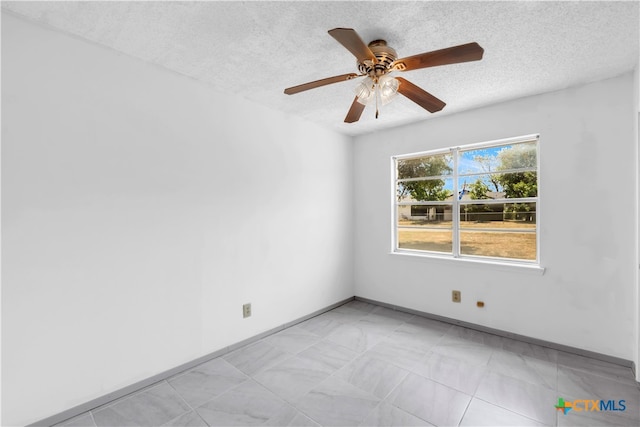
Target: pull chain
point(377, 94)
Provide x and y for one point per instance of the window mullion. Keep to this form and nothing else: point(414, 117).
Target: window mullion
point(500, 172)
point(498, 201)
point(424, 178)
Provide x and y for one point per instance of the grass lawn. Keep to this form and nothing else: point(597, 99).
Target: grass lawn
point(519, 243)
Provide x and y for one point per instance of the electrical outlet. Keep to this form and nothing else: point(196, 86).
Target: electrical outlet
point(455, 296)
point(246, 310)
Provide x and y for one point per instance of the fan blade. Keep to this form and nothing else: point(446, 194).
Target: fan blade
point(348, 38)
point(420, 96)
point(451, 55)
point(321, 82)
point(354, 112)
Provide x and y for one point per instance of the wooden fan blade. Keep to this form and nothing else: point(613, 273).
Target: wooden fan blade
point(420, 96)
point(321, 82)
point(354, 112)
point(451, 55)
point(348, 38)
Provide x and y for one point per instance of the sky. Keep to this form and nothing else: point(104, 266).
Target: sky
point(468, 165)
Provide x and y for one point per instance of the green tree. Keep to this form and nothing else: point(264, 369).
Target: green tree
point(478, 190)
point(489, 164)
point(518, 184)
point(424, 167)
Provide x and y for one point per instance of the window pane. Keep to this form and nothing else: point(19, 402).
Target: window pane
point(493, 159)
point(478, 161)
point(518, 156)
point(425, 239)
point(518, 185)
point(480, 187)
point(428, 190)
point(499, 216)
point(499, 186)
point(435, 165)
point(425, 227)
point(499, 244)
point(431, 216)
point(504, 230)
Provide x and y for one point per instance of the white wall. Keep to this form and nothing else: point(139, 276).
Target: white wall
point(141, 209)
point(585, 299)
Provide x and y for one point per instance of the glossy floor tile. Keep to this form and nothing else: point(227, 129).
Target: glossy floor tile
point(153, 406)
point(386, 414)
point(481, 413)
point(190, 419)
point(332, 356)
point(255, 357)
point(530, 400)
point(290, 416)
point(452, 372)
point(337, 403)
point(433, 402)
point(293, 340)
point(356, 336)
point(207, 381)
point(525, 368)
point(366, 365)
point(294, 377)
point(376, 376)
point(405, 357)
point(248, 404)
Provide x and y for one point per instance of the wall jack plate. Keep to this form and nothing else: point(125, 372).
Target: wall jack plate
point(455, 296)
point(246, 310)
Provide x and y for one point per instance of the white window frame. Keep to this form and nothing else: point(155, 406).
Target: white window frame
point(456, 204)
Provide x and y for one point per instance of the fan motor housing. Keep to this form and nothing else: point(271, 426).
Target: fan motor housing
point(385, 56)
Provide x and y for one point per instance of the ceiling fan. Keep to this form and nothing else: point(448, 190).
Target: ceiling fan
point(377, 60)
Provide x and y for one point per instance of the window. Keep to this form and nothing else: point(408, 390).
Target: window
point(477, 201)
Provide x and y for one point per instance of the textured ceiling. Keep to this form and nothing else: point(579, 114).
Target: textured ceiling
point(256, 49)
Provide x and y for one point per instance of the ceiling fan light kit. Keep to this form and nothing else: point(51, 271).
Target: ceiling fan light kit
point(376, 61)
point(382, 90)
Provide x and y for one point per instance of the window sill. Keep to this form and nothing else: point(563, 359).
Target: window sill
point(481, 263)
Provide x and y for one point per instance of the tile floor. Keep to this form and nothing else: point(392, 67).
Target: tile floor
point(362, 364)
